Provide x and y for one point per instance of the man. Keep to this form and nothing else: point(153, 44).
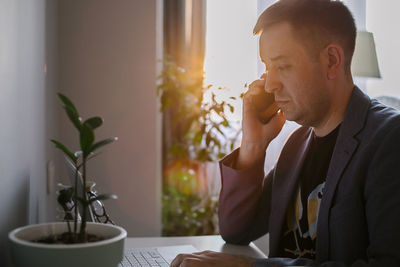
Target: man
point(333, 198)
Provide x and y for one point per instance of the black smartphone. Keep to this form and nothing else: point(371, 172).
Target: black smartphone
point(265, 106)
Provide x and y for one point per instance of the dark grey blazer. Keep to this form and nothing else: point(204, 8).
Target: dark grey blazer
point(359, 217)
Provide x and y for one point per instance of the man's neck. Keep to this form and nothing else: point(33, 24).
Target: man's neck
point(336, 112)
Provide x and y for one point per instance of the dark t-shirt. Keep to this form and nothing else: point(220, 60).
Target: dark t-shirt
point(300, 232)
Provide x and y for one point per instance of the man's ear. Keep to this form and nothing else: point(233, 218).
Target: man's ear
point(335, 60)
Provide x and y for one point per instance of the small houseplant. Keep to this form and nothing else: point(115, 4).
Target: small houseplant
point(196, 132)
point(84, 243)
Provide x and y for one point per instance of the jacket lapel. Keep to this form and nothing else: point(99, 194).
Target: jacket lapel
point(287, 173)
point(345, 147)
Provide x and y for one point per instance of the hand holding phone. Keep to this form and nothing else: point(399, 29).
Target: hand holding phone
point(261, 123)
point(265, 106)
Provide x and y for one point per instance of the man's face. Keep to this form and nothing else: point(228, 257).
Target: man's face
point(294, 76)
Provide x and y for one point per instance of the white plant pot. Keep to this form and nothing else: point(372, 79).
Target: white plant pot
point(105, 253)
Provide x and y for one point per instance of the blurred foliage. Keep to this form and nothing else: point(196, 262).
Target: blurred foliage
point(196, 132)
point(197, 128)
point(186, 175)
point(188, 214)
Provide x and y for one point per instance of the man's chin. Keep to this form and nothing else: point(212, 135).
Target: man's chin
point(293, 117)
point(289, 116)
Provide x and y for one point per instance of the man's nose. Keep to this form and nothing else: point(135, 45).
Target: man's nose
point(272, 81)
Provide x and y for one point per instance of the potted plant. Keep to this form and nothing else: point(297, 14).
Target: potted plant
point(196, 132)
point(79, 243)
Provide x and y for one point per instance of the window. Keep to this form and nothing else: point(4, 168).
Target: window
point(231, 49)
point(381, 19)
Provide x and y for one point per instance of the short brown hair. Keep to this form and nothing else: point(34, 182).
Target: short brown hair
point(316, 23)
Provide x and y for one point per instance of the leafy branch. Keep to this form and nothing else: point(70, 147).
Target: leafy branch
point(198, 126)
point(88, 146)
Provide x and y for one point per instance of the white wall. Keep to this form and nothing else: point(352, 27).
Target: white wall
point(107, 53)
point(383, 20)
point(27, 43)
point(232, 67)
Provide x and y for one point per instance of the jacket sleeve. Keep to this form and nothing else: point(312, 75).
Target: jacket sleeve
point(244, 202)
point(382, 210)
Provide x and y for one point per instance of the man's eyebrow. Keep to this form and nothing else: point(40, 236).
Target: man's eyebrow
point(278, 57)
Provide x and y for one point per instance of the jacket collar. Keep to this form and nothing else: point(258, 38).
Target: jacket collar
point(346, 144)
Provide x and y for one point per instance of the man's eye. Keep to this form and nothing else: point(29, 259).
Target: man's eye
point(282, 68)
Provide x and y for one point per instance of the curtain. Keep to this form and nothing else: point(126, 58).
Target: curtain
point(184, 44)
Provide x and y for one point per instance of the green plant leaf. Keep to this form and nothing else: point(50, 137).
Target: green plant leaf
point(202, 155)
point(94, 122)
point(103, 143)
point(216, 142)
point(86, 139)
point(221, 155)
point(73, 117)
point(216, 127)
point(65, 150)
point(208, 139)
point(71, 110)
point(231, 108)
point(67, 102)
point(103, 197)
point(213, 98)
point(197, 137)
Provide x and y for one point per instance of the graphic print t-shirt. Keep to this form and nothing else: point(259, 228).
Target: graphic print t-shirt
point(300, 234)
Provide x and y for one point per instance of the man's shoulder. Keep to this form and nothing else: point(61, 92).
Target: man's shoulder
point(368, 118)
point(381, 119)
point(383, 113)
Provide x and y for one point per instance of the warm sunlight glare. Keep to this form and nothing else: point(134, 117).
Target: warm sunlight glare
point(231, 49)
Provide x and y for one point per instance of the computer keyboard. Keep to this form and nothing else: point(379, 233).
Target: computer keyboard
point(142, 257)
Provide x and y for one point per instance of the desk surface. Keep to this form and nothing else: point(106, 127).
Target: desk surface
point(208, 242)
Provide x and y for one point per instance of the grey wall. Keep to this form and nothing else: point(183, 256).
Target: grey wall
point(107, 53)
point(27, 113)
point(101, 53)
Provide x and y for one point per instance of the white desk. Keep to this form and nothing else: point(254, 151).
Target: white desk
point(209, 242)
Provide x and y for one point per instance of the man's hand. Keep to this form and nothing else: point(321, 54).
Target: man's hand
point(256, 135)
point(211, 258)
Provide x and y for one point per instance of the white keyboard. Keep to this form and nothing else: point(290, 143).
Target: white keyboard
point(142, 257)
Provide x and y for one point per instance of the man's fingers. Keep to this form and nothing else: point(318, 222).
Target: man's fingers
point(278, 120)
point(191, 261)
point(205, 252)
point(183, 260)
point(178, 260)
point(267, 114)
point(210, 258)
point(256, 87)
